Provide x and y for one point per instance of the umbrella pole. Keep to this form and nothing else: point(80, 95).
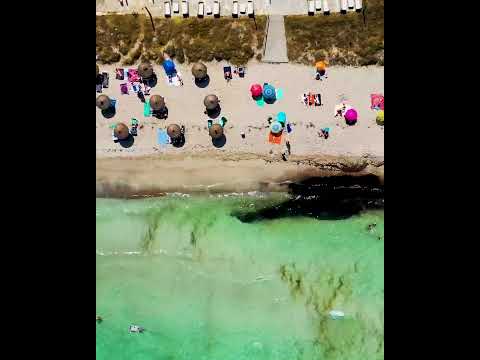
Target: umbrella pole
point(151, 19)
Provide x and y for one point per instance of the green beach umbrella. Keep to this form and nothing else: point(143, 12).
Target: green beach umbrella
point(379, 118)
point(216, 131)
point(157, 102)
point(103, 102)
point(211, 102)
point(121, 131)
point(145, 70)
point(174, 131)
point(199, 70)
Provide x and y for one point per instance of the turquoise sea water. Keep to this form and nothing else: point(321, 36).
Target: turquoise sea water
point(207, 286)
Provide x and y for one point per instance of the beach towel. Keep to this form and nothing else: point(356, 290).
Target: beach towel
point(113, 102)
point(279, 94)
point(119, 74)
point(133, 75)
point(99, 88)
point(105, 80)
point(260, 102)
point(378, 101)
point(125, 74)
point(275, 138)
point(162, 137)
point(124, 89)
point(146, 109)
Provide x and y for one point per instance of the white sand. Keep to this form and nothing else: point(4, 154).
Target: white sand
point(185, 106)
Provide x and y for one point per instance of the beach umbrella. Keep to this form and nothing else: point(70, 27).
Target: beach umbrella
point(256, 90)
point(157, 102)
point(321, 65)
point(282, 118)
point(103, 102)
point(169, 67)
point(268, 92)
point(216, 131)
point(276, 127)
point(145, 70)
point(211, 102)
point(121, 131)
point(199, 70)
point(174, 131)
point(351, 116)
point(98, 70)
point(379, 118)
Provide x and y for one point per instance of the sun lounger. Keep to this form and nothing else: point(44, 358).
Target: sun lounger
point(99, 88)
point(235, 9)
point(168, 9)
point(241, 71)
point(119, 74)
point(201, 9)
point(185, 9)
point(311, 7)
point(318, 5)
point(216, 9)
point(162, 137)
point(351, 4)
point(208, 9)
point(176, 7)
point(343, 6)
point(243, 8)
point(326, 8)
point(275, 138)
point(250, 10)
point(358, 5)
point(227, 72)
point(105, 80)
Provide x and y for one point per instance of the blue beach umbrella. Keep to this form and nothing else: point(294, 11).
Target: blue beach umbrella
point(276, 127)
point(169, 67)
point(282, 117)
point(268, 92)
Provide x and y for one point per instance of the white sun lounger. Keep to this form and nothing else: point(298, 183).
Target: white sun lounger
point(318, 5)
point(243, 8)
point(343, 6)
point(326, 8)
point(168, 9)
point(351, 4)
point(311, 7)
point(201, 9)
point(235, 9)
point(216, 9)
point(208, 9)
point(185, 12)
point(250, 10)
point(176, 7)
point(358, 5)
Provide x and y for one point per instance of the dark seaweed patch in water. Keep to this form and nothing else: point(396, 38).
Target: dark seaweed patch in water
point(327, 198)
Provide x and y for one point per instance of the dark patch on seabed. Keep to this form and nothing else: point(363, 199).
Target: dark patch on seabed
point(324, 198)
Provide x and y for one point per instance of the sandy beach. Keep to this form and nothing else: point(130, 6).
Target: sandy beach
point(252, 161)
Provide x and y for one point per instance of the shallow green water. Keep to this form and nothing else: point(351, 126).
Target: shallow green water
point(207, 286)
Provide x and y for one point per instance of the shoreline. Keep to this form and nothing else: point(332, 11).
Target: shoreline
point(208, 173)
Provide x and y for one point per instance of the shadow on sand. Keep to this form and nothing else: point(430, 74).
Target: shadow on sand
point(214, 113)
point(128, 142)
point(109, 113)
point(151, 82)
point(220, 142)
point(324, 198)
point(178, 143)
point(203, 83)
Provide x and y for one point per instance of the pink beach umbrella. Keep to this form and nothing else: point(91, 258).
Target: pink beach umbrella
point(256, 90)
point(351, 116)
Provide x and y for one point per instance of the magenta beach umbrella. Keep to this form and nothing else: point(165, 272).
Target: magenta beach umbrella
point(351, 116)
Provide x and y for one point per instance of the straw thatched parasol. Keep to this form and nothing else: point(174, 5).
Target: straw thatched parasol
point(121, 131)
point(157, 102)
point(199, 70)
point(211, 102)
point(174, 131)
point(216, 131)
point(145, 70)
point(103, 102)
point(98, 70)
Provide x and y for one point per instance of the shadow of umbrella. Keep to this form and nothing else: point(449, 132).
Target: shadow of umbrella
point(179, 142)
point(203, 83)
point(109, 113)
point(219, 142)
point(128, 142)
point(151, 81)
point(214, 113)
